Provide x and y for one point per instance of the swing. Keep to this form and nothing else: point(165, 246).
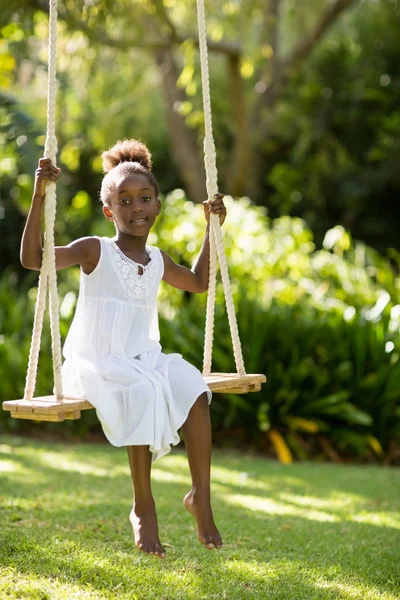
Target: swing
point(57, 407)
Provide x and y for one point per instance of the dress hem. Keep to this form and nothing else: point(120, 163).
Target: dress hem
point(160, 452)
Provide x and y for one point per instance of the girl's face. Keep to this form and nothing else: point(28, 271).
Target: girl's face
point(133, 206)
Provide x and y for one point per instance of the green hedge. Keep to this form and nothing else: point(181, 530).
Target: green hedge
point(323, 325)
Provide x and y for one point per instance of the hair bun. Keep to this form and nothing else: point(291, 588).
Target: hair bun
point(126, 151)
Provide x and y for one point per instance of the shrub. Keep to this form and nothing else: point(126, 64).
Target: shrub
point(321, 324)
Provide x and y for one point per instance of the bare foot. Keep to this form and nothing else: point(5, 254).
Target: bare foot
point(200, 507)
point(145, 529)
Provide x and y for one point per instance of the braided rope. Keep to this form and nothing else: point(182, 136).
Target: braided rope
point(210, 311)
point(36, 335)
point(48, 276)
point(216, 239)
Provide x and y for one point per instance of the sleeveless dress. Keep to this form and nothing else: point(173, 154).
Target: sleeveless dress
point(114, 359)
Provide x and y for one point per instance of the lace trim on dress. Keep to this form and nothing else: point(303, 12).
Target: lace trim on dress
point(134, 284)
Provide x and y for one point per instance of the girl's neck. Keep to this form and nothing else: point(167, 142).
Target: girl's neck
point(130, 242)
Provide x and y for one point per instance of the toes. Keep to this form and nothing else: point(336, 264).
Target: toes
point(145, 548)
point(160, 552)
point(152, 549)
point(213, 542)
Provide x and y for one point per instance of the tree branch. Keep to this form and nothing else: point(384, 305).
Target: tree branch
point(164, 18)
point(262, 119)
point(269, 36)
point(228, 47)
point(305, 47)
point(297, 56)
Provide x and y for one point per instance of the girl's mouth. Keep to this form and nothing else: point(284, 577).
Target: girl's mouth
point(139, 221)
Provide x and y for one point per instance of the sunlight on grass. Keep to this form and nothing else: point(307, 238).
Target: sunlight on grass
point(354, 592)
point(382, 519)
point(307, 531)
point(5, 449)
point(239, 478)
point(18, 585)
point(159, 475)
point(274, 572)
point(336, 501)
point(8, 466)
point(67, 463)
point(270, 507)
point(253, 568)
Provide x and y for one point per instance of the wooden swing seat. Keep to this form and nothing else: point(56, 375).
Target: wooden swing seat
point(48, 408)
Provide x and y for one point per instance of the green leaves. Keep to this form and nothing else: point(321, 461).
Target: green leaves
point(314, 322)
point(320, 325)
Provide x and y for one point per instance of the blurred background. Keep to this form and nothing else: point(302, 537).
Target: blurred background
point(306, 116)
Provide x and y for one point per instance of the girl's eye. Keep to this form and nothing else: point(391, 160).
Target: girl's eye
point(147, 198)
point(124, 201)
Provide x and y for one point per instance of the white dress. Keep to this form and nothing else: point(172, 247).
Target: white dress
point(114, 358)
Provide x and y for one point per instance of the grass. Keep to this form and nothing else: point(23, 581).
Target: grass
point(309, 530)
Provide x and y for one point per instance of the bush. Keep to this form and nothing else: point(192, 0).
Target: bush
point(321, 324)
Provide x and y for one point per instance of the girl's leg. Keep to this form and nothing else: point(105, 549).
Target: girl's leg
point(197, 435)
point(143, 516)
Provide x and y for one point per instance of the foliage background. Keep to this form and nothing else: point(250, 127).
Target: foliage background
point(307, 124)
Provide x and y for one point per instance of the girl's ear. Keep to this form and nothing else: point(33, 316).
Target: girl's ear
point(107, 213)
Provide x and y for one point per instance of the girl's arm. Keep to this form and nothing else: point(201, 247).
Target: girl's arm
point(82, 252)
point(195, 280)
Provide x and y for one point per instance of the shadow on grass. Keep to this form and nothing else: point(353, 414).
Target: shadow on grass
point(61, 522)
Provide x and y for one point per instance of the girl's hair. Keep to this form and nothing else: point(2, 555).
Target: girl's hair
point(125, 158)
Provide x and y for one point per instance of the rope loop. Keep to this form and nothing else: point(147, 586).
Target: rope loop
point(48, 276)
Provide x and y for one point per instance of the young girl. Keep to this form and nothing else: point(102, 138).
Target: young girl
point(113, 355)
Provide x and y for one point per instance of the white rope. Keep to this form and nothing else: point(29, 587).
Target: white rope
point(215, 228)
point(48, 276)
point(209, 333)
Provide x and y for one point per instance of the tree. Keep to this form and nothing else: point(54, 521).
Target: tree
point(284, 78)
point(164, 28)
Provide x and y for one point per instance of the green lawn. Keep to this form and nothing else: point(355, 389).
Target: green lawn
point(300, 531)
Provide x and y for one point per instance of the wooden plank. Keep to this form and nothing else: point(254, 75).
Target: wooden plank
point(240, 390)
point(76, 414)
point(225, 382)
point(46, 404)
point(255, 388)
point(54, 418)
point(48, 408)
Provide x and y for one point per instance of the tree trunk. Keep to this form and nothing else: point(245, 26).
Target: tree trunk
point(238, 168)
point(184, 148)
point(277, 75)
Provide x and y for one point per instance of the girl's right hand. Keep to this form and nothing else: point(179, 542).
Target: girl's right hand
point(45, 172)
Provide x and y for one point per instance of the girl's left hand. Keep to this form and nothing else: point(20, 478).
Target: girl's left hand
point(216, 207)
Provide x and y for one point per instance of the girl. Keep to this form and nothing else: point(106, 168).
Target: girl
point(113, 355)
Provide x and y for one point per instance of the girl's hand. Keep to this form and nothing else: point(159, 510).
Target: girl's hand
point(216, 206)
point(45, 172)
